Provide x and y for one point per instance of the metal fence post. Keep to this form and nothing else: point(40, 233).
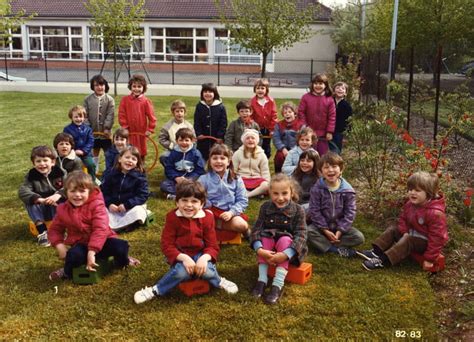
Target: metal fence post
point(311, 72)
point(6, 67)
point(218, 70)
point(172, 70)
point(46, 67)
point(87, 68)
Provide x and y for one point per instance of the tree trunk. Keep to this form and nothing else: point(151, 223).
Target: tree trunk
point(264, 64)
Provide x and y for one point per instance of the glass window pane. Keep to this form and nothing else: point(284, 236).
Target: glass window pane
point(179, 46)
point(76, 55)
point(139, 45)
point(157, 58)
point(34, 29)
point(35, 43)
point(157, 32)
point(55, 31)
point(179, 32)
point(16, 43)
point(201, 46)
point(221, 46)
point(221, 33)
point(157, 45)
point(76, 44)
point(77, 31)
point(95, 56)
point(202, 32)
point(94, 44)
point(55, 44)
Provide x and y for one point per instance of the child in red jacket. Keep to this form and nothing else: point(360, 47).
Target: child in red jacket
point(189, 244)
point(421, 227)
point(82, 223)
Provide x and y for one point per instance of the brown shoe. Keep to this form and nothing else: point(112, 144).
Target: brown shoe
point(258, 289)
point(273, 296)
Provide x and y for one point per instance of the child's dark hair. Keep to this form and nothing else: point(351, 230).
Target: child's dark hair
point(122, 133)
point(136, 153)
point(305, 131)
point(428, 182)
point(60, 137)
point(210, 87)
point(321, 78)
point(77, 109)
point(177, 104)
point(331, 158)
point(99, 79)
point(243, 104)
point(222, 150)
point(262, 82)
point(42, 151)
point(184, 133)
point(137, 79)
point(78, 180)
point(191, 188)
point(294, 186)
point(310, 155)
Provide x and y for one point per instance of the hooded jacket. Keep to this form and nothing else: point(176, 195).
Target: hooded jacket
point(69, 163)
point(318, 112)
point(187, 164)
point(429, 221)
point(333, 210)
point(87, 224)
point(129, 189)
point(248, 167)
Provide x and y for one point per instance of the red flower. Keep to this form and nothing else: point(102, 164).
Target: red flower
point(389, 122)
point(467, 202)
point(428, 154)
point(469, 192)
point(434, 164)
point(407, 137)
point(445, 142)
point(419, 143)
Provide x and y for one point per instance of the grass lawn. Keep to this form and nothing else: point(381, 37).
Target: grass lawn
point(340, 301)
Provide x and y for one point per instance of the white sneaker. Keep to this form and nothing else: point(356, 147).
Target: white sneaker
point(144, 295)
point(228, 286)
point(43, 239)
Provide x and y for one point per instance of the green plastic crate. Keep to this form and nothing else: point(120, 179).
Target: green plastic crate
point(84, 277)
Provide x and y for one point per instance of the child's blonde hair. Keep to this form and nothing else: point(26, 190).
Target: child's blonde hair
point(289, 105)
point(428, 182)
point(262, 82)
point(331, 158)
point(294, 186)
point(77, 109)
point(177, 104)
point(341, 84)
point(134, 152)
point(78, 180)
point(305, 131)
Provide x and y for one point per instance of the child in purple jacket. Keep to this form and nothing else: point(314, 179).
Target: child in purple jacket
point(332, 209)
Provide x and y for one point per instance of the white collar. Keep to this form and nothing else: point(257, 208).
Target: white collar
point(199, 214)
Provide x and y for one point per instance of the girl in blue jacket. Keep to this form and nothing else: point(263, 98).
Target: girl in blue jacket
point(226, 193)
point(125, 190)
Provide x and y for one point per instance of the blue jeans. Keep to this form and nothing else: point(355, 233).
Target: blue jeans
point(77, 254)
point(40, 212)
point(177, 274)
point(168, 186)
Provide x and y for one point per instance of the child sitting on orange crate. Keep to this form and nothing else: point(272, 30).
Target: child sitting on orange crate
point(189, 244)
point(278, 236)
point(42, 190)
point(83, 137)
point(82, 223)
point(421, 227)
point(167, 136)
point(67, 159)
point(234, 132)
point(226, 194)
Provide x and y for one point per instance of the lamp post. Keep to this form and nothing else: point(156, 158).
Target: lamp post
point(393, 41)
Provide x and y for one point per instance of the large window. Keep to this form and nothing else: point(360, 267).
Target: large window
point(179, 44)
point(13, 47)
point(55, 42)
point(233, 53)
point(135, 49)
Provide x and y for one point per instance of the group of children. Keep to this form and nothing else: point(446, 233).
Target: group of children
point(310, 202)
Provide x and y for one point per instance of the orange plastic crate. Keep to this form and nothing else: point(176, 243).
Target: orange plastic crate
point(438, 265)
point(298, 275)
point(226, 237)
point(194, 287)
point(33, 230)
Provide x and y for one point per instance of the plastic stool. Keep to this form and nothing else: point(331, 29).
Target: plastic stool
point(438, 265)
point(296, 274)
point(194, 287)
point(226, 237)
point(84, 277)
point(33, 230)
point(150, 219)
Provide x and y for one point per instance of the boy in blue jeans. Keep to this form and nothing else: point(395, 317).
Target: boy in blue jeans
point(184, 161)
point(189, 244)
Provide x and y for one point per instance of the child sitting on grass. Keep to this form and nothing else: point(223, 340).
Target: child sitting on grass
point(332, 209)
point(42, 190)
point(189, 244)
point(421, 227)
point(83, 224)
point(306, 175)
point(125, 190)
point(167, 137)
point(120, 140)
point(83, 138)
point(278, 236)
point(234, 132)
point(305, 139)
point(67, 159)
point(185, 161)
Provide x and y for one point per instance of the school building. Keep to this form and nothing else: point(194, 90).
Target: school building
point(187, 33)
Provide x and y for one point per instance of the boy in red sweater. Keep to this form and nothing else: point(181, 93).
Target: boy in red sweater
point(189, 244)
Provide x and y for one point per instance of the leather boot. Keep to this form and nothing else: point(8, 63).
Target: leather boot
point(274, 295)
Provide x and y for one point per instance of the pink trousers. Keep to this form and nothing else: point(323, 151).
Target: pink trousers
point(279, 246)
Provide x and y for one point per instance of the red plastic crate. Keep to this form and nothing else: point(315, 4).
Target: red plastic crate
point(226, 237)
point(194, 287)
point(298, 275)
point(438, 265)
